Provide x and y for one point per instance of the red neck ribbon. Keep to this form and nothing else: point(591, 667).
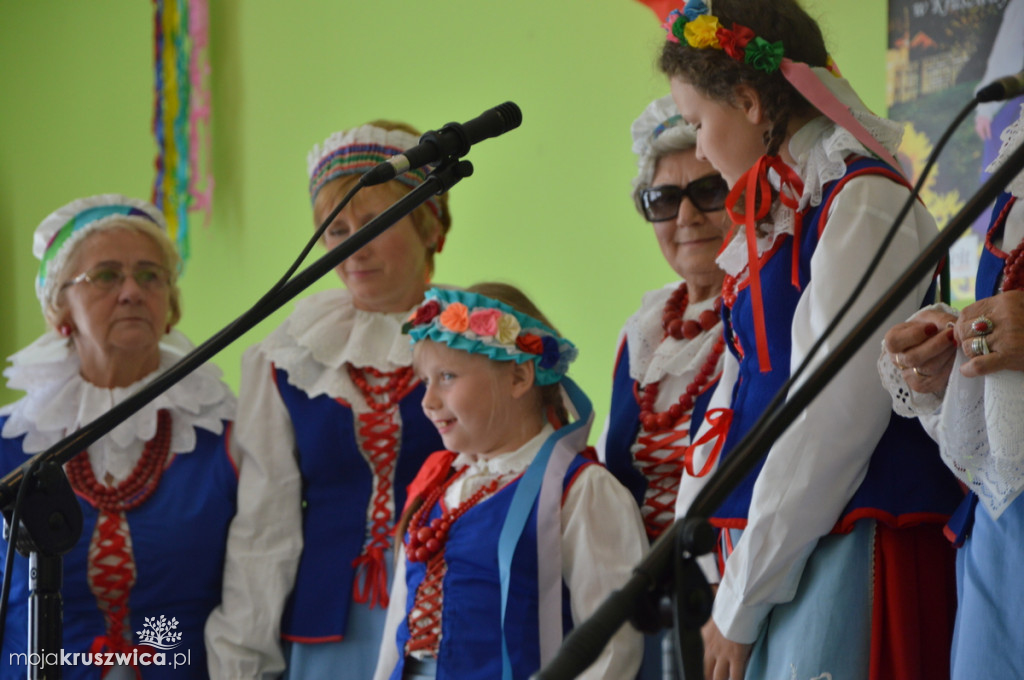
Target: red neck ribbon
point(756, 191)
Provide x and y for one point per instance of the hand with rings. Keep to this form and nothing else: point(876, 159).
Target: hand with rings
point(923, 350)
point(991, 334)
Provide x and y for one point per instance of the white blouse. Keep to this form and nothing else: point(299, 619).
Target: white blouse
point(814, 468)
point(323, 333)
point(587, 525)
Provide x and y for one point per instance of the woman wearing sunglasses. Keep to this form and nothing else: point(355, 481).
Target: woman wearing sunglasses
point(158, 492)
point(670, 349)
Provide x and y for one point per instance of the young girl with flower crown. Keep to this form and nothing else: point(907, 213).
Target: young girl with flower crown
point(834, 559)
point(508, 537)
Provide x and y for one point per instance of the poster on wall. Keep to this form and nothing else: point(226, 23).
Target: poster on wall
point(939, 53)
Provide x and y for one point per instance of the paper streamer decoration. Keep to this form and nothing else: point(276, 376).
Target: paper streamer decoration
point(181, 115)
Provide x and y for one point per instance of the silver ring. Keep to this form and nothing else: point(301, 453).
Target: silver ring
point(979, 346)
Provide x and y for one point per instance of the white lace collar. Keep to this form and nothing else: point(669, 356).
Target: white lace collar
point(1012, 137)
point(820, 149)
point(325, 332)
point(58, 401)
point(650, 357)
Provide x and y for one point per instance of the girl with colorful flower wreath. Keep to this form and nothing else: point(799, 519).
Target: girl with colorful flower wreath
point(510, 535)
point(967, 383)
point(670, 349)
point(834, 558)
point(330, 404)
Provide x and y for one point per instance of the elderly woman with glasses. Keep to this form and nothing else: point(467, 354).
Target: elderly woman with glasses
point(157, 492)
point(670, 349)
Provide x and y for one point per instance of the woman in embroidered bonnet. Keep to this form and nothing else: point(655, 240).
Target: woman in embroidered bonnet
point(157, 492)
point(331, 411)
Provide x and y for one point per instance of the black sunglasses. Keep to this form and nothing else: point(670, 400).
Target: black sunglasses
point(662, 203)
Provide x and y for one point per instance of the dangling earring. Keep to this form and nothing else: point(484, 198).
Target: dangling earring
point(65, 330)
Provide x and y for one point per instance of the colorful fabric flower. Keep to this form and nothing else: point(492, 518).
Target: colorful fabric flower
point(735, 40)
point(455, 318)
point(675, 21)
point(508, 329)
point(763, 55)
point(426, 312)
point(474, 323)
point(701, 32)
point(484, 322)
point(530, 343)
point(549, 353)
point(694, 9)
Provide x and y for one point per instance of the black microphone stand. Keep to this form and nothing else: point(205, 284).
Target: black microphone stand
point(671, 567)
point(52, 521)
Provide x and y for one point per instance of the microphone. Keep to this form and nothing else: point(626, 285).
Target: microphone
point(1002, 89)
point(453, 140)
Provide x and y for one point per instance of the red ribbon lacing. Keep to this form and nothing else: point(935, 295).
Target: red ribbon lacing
point(662, 477)
point(111, 566)
point(756, 191)
point(425, 616)
point(112, 577)
point(378, 430)
point(664, 474)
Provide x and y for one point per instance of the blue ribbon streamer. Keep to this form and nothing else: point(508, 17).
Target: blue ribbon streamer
point(523, 500)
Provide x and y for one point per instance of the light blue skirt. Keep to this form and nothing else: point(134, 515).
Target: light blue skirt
point(824, 632)
point(989, 637)
point(353, 657)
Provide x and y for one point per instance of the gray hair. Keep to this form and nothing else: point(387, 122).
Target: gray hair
point(658, 132)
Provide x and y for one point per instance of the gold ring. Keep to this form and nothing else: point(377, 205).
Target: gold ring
point(899, 362)
point(921, 374)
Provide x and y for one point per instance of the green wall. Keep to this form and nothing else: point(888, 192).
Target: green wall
point(548, 208)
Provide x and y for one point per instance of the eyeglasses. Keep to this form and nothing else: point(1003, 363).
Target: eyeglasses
point(109, 277)
point(662, 203)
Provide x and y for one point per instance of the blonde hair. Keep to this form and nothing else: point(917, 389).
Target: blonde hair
point(550, 395)
point(426, 222)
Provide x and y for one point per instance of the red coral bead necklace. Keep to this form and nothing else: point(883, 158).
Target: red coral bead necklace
point(140, 484)
point(427, 540)
point(673, 325)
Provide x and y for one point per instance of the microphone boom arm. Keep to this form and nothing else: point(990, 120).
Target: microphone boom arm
point(441, 180)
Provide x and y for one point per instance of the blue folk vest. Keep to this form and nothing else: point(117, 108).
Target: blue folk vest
point(906, 482)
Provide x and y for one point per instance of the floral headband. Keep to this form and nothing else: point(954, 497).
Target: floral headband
point(701, 30)
point(481, 325)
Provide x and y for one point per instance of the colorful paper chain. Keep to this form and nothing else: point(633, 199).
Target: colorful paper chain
point(181, 115)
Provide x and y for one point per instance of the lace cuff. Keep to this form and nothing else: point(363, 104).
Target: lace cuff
point(905, 401)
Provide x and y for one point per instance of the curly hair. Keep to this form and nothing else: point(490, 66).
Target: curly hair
point(715, 74)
